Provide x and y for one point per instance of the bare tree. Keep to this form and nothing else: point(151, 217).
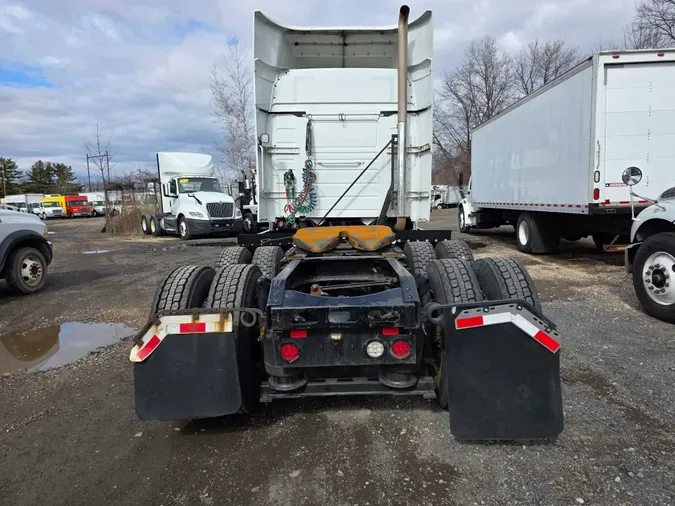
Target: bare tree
point(99, 155)
point(541, 62)
point(232, 103)
point(657, 17)
point(640, 36)
point(477, 90)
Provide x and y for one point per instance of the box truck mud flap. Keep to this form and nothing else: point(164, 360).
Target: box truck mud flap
point(186, 368)
point(503, 366)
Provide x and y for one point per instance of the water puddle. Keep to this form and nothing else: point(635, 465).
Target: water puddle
point(49, 347)
point(96, 252)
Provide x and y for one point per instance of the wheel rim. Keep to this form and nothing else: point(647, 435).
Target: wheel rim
point(523, 233)
point(657, 277)
point(183, 228)
point(153, 226)
point(31, 270)
point(248, 224)
point(144, 224)
point(461, 219)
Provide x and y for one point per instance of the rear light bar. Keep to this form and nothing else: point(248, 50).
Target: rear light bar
point(469, 322)
point(298, 334)
point(178, 324)
point(390, 331)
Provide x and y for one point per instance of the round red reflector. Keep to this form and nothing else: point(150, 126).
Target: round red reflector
point(596, 193)
point(289, 352)
point(400, 349)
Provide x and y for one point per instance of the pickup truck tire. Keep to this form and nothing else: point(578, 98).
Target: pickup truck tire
point(145, 224)
point(418, 254)
point(505, 278)
point(233, 255)
point(249, 225)
point(184, 229)
point(235, 286)
point(26, 270)
point(454, 248)
point(185, 287)
point(451, 280)
point(268, 259)
point(657, 250)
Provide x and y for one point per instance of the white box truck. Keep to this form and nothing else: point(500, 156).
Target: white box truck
point(551, 164)
point(326, 113)
point(193, 202)
point(445, 196)
point(25, 201)
point(97, 203)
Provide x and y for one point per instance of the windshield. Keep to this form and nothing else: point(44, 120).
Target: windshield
point(198, 184)
point(669, 194)
point(50, 204)
point(98, 203)
point(77, 202)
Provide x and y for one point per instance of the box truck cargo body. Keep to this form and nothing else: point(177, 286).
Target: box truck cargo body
point(553, 161)
point(330, 95)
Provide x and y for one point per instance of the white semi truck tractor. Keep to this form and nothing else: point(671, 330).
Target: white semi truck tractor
point(193, 202)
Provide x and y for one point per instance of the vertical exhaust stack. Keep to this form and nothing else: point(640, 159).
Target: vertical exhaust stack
point(402, 104)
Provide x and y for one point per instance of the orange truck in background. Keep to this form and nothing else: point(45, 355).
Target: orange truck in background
point(73, 205)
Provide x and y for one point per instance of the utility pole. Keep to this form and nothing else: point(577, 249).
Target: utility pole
point(4, 181)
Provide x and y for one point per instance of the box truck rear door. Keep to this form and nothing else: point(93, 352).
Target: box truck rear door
point(639, 128)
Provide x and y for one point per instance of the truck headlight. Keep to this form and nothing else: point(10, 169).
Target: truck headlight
point(196, 214)
point(237, 213)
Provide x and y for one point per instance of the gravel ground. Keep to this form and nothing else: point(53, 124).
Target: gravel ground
point(70, 435)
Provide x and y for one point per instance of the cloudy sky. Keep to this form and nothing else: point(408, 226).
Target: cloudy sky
point(141, 67)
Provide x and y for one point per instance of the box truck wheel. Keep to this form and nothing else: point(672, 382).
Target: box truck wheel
point(268, 259)
point(236, 286)
point(653, 276)
point(418, 254)
point(451, 280)
point(505, 278)
point(26, 270)
point(524, 232)
point(184, 287)
point(461, 218)
point(233, 255)
point(454, 248)
point(145, 224)
point(536, 234)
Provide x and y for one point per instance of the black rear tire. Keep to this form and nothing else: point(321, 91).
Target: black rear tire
point(505, 278)
point(451, 280)
point(26, 270)
point(233, 255)
point(454, 248)
point(268, 258)
point(184, 287)
point(155, 228)
point(145, 224)
point(418, 255)
point(235, 286)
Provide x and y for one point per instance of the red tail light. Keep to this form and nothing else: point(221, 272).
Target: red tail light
point(289, 352)
point(596, 193)
point(390, 331)
point(400, 349)
point(298, 334)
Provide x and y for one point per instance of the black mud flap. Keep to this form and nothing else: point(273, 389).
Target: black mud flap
point(503, 366)
point(189, 376)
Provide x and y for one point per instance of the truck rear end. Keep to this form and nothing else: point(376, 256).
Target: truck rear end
point(352, 309)
point(330, 95)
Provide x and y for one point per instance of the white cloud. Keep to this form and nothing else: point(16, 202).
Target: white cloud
point(141, 68)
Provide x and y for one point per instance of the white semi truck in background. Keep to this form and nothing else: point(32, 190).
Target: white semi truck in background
point(192, 202)
point(551, 165)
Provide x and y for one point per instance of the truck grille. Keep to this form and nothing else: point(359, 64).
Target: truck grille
point(220, 210)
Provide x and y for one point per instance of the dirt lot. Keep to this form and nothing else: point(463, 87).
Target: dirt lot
point(70, 436)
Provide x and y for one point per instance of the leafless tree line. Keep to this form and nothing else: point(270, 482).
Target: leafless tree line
point(488, 80)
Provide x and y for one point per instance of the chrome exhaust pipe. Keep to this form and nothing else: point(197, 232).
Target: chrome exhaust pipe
point(402, 104)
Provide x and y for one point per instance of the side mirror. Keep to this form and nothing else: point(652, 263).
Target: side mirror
point(460, 179)
point(631, 176)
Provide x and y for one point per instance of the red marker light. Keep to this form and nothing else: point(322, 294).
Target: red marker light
point(298, 334)
point(289, 352)
point(400, 349)
point(596, 193)
point(390, 331)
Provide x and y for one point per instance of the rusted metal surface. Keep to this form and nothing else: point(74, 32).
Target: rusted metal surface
point(361, 237)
